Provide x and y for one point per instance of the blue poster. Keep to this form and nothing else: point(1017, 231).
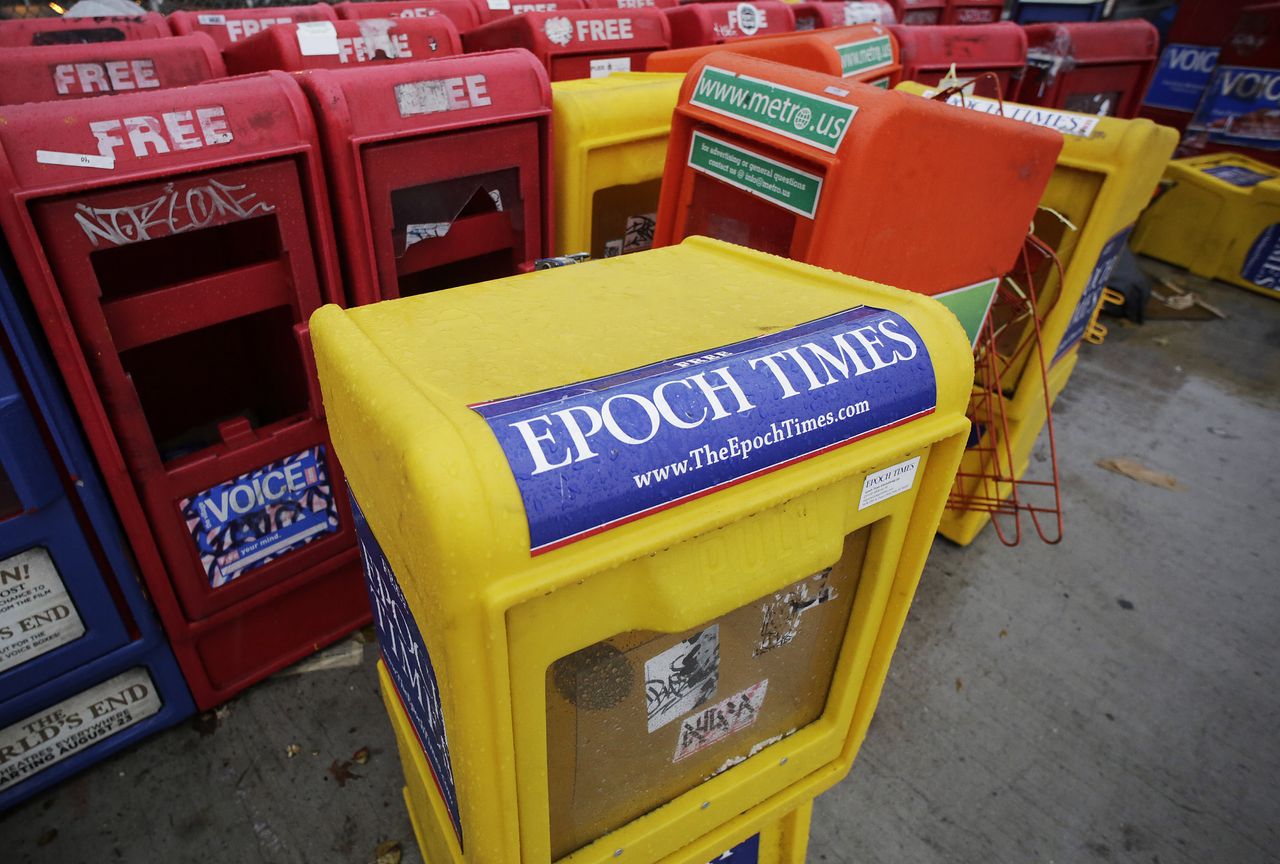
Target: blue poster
point(1092, 293)
point(746, 852)
point(257, 517)
point(592, 455)
point(1262, 264)
point(1181, 76)
point(1241, 107)
point(1237, 175)
point(408, 663)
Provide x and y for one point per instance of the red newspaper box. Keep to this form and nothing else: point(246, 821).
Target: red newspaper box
point(329, 45)
point(866, 53)
point(791, 162)
point(973, 11)
point(90, 69)
point(1198, 32)
point(440, 170)
point(713, 23)
point(588, 43)
point(919, 11)
point(462, 13)
point(174, 244)
point(815, 16)
point(228, 26)
point(1093, 68)
point(21, 32)
point(928, 53)
point(492, 10)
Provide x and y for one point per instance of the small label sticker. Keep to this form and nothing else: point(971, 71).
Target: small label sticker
point(1066, 122)
point(681, 678)
point(75, 160)
point(317, 39)
point(883, 485)
point(865, 55)
point(212, 20)
point(613, 248)
point(864, 13)
point(500, 5)
point(787, 187)
point(44, 739)
point(712, 725)
point(247, 522)
point(36, 612)
point(606, 66)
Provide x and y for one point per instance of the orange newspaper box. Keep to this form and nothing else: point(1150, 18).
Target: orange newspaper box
point(712, 23)
point(848, 177)
point(20, 32)
point(866, 53)
point(228, 26)
point(51, 72)
point(928, 53)
point(462, 13)
point(587, 43)
point(344, 44)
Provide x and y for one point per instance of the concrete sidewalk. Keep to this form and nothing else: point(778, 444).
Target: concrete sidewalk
point(1113, 698)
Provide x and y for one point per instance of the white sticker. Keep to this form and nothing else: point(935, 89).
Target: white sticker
point(883, 485)
point(212, 20)
point(36, 612)
point(716, 723)
point(444, 94)
point(1066, 122)
point(47, 737)
point(639, 232)
point(780, 616)
point(835, 91)
point(613, 248)
point(317, 39)
point(750, 19)
point(681, 678)
point(500, 5)
point(559, 31)
point(75, 160)
point(604, 67)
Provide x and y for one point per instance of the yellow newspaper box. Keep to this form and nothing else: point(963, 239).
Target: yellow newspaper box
point(610, 145)
point(1105, 175)
point(640, 535)
point(1219, 217)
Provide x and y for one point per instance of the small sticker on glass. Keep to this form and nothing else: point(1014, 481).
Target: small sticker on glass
point(681, 678)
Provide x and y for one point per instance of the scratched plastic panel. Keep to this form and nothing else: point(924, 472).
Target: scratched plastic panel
point(636, 720)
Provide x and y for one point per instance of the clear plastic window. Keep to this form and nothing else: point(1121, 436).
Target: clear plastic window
point(638, 719)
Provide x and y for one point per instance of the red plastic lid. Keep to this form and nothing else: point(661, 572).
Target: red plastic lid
point(1133, 39)
point(344, 44)
point(405, 99)
point(22, 32)
point(583, 31)
point(966, 45)
point(51, 72)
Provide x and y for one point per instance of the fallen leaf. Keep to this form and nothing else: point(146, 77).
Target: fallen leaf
point(1004, 633)
point(1137, 471)
point(292, 750)
point(361, 756)
point(959, 685)
point(1124, 604)
point(341, 771)
point(387, 852)
point(47, 837)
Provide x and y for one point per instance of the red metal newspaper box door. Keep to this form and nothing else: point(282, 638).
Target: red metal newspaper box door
point(440, 170)
point(174, 245)
point(51, 72)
